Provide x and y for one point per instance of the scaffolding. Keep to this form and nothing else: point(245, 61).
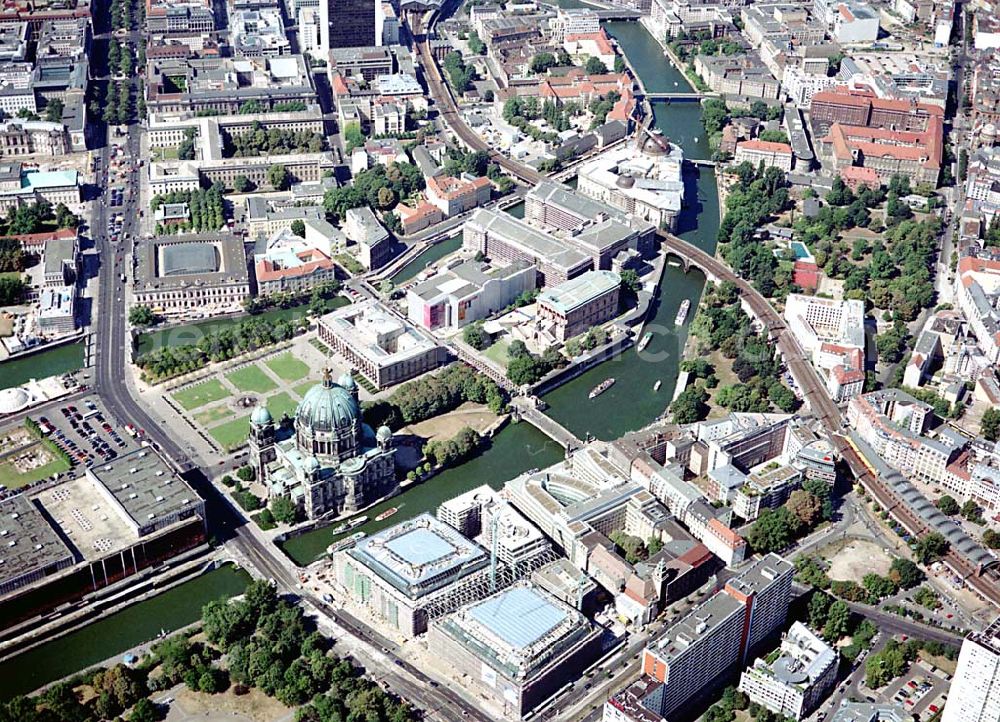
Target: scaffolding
point(486, 582)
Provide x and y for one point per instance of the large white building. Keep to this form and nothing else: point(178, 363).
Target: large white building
point(469, 292)
point(833, 334)
point(793, 684)
point(383, 348)
point(977, 290)
point(643, 179)
point(975, 689)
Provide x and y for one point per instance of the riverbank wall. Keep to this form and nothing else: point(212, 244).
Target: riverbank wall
point(597, 357)
point(76, 337)
point(152, 582)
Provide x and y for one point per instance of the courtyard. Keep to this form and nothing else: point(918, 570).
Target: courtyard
point(221, 404)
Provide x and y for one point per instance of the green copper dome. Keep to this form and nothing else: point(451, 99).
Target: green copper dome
point(261, 416)
point(327, 406)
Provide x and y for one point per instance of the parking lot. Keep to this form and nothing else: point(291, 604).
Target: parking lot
point(86, 432)
point(922, 691)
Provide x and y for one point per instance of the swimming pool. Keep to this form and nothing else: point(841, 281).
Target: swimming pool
point(801, 252)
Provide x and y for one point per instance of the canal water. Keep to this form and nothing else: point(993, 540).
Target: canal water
point(194, 332)
point(118, 633)
point(41, 365)
point(431, 255)
point(658, 74)
point(516, 449)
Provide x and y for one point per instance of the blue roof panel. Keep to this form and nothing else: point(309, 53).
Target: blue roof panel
point(519, 616)
point(420, 546)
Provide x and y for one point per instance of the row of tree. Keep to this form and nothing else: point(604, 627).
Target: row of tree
point(205, 206)
point(170, 361)
point(433, 395)
point(274, 141)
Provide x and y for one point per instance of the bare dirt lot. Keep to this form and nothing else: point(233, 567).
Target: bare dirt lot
point(254, 706)
point(478, 416)
point(851, 560)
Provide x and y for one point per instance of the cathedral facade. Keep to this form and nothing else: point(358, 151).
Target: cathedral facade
point(332, 463)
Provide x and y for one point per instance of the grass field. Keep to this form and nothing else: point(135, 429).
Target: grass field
point(281, 404)
point(251, 378)
point(302, 388)
point(13, 479)
point(201, 394)
point(232, 434)
point(288, 367)
point(213, 415)
point(497, 353)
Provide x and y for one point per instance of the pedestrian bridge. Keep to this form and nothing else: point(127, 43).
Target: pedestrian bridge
point(525, 409)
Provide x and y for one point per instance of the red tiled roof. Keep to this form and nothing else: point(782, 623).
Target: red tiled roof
point(33, 239)
point(313, 260)
point(600, 38)
point(765, 146)
point(730, 537)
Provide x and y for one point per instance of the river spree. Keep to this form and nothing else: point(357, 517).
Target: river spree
point(516, 449)
point(118, 632)
point(43, 364)
point(631, 403)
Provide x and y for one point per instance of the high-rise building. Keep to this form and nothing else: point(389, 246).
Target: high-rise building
point(349, 23)
point(975, 689)
point(709, 643)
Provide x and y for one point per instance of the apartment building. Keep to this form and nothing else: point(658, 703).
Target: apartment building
point(699, 652)
point(188, 17)
point(975, 688)
point(977, 290)
point(795, 682)
point(894, 424)
point(744, 75)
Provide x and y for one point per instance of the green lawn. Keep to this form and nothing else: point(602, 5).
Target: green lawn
point(232, 434)
point(201, 394)
point(214, 415)
point(169, 153)
point(497, 353)
point(280, 404)
point(302, 388)
point(13, 479)
point(251, 378)
point(288, 368)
